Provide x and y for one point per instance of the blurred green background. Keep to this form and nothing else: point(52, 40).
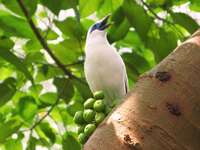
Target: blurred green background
point(42, 81)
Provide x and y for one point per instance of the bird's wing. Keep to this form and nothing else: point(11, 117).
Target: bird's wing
point(126, 82)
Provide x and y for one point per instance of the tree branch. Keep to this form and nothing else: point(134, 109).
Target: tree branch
point(44, 43)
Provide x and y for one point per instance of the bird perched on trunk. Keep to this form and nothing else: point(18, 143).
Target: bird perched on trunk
point(104, 67)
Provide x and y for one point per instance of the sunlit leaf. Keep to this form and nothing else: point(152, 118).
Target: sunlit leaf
point(13, 143)
point(108, 6)
point(6, 54)
point(15, 26)
point(87, 7)
point(27, 108)
point(48, 98)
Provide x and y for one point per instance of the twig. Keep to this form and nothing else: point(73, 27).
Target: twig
point(44, 43)
point(77, 14)
point(155, 15)
point(48, 112)
point(43, 117)
point(75, 63)
point(160, 18)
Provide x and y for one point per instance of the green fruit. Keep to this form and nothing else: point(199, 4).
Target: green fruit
point(99, 106)
point(99, 117)
point(78, 117)
point(80, 129)
point(88, 115)
point(89, 103)
point(99, 95)
point(82, 138)
point(89, 129)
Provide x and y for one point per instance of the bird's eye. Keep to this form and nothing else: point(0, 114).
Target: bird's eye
point(96, 26)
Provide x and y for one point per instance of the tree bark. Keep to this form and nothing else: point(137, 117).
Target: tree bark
point(163, 110)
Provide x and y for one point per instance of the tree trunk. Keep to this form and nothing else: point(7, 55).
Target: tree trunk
point(163, 110)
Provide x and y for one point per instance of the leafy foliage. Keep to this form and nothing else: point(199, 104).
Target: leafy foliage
point(39, 94)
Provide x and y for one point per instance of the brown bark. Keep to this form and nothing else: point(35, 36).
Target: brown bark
point(163, 110)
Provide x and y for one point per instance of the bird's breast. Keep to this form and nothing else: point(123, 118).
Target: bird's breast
point(103, 69)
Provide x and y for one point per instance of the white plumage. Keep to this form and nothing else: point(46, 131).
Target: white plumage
point(104, 67)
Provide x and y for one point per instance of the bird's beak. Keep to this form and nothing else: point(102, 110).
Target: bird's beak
point(103, 24)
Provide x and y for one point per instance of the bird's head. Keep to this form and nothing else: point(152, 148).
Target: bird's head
point(98, 29)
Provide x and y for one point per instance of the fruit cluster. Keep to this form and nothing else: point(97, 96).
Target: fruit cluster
point(93, 114)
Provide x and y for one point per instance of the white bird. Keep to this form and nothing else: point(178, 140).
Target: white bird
point(104, 68)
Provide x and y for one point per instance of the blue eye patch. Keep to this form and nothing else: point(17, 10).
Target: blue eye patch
point(95, 26)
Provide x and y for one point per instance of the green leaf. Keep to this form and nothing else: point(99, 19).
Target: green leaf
point(70, 143)
point(13, 143)
point(160, 46)
point(120, 27)
point(8, 128)
point(6, 43)
point(70, 28)
point(35, 57)
point(27, 108)
point(66, 117)
point(185, 21)
point(131, 40)
point(51, 35)
point(6, 54)
point(5, 72)
point(108, 6)
point(15, 26)
point(87, 7)
point(66, 51)
point(73, 107)
point(31, 143)
point(32, 46)
point(157, 2)
point(46, 72)
point(65, 88)
point(136, 61)
point(48, 131)
point(83, 89)
point(56, 5)
point(13, 5)
point(7, 90)
point(35, 91)
point(48, 98)
point(194, 5)
point(137, 17)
